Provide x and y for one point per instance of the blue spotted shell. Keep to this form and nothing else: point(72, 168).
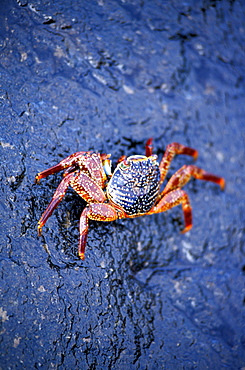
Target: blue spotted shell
point(134, 186)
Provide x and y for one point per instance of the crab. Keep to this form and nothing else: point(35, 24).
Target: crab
point(132, 190)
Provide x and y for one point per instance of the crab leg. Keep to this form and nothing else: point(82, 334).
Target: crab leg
point(65, 163)
point(97, 212)
point(83, 229)
point(172, 199)
point(87, 188)
point(184, 174)
point(57, 198)
point(82, 184)
point(170, 153)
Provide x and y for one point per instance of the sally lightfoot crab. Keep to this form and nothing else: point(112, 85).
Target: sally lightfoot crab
point(132, 190)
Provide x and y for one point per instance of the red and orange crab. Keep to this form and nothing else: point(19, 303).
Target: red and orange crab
point(132, 190)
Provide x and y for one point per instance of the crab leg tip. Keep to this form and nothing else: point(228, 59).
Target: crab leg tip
point(186, 229)
point(222, 184)
point(37, 179)
point(195, 155)
point(82, 256)
point(39, 230)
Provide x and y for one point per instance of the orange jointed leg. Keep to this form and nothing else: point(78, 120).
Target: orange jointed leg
point(170, 153)
point(200, 174)
point(97, 212)
point(58, 167)
point(57, 198)
point(172, 199)
point(184, 174)
point(65, 163)
point(87, 188)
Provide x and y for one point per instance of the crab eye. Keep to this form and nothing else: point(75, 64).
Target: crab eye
point(153, 159)
point(124, 164)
